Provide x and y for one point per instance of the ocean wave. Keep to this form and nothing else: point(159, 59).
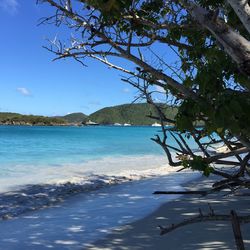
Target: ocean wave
point(38, 196)
point(26, 174)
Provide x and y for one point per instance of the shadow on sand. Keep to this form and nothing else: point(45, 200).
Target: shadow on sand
point(144, 234)
point(82, 219)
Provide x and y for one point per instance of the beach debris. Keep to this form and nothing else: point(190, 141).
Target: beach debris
point(182, 192)
point(212, 216)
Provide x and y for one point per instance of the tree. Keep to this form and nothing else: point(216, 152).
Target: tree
point(208, 80)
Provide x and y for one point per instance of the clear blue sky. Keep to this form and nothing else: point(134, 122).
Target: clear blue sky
point(30, 83)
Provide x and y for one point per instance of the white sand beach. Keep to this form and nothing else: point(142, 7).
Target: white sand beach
point(84, 218)
point(145, 234)
point(113, 219)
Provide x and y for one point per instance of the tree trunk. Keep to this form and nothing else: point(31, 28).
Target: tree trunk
point(235, 45)
point(242, 10)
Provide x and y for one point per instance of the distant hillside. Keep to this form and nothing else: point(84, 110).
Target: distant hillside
point(8, 115)
point(135, 114)
point(18, 119)
point(75, 118)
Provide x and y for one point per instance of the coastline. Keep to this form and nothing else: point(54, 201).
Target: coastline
point(20, 199)
point(145, 233)
point(78, 125)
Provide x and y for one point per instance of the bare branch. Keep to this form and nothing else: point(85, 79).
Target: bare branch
point(203, 218)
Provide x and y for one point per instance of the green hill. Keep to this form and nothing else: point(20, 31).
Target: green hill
point(19, 119)
point(75, 118)
point(8, 115)
point(135, 114)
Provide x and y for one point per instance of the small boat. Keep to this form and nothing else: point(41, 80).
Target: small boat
point(156, 124)
point(126, 124)
point(90, 123)
point(117, 124)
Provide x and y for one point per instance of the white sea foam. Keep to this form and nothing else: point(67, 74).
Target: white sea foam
point(22, 175)
point(72, 180)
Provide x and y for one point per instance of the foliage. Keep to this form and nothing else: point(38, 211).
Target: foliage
point(75, 118)
point(203, 66)
point(208, 78)
point(15, 118)
point(135, 114)
point(198, 163)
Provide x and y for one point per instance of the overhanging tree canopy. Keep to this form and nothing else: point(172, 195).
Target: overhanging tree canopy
point(209, 82)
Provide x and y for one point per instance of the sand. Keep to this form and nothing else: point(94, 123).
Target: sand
point(85, 217)
point(144, 233)
point(82, 219)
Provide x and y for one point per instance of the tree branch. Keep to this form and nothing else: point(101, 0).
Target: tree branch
point(242, 10)
point(236, 46)
point(203, 218)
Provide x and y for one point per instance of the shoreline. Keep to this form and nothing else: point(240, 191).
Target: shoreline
point(80, 125)
point(27, 197)
point(145, 233)
point(81, 172)
point(33, 197)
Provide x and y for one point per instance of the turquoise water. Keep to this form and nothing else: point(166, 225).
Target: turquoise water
point(61, 145)
point(31, 155)
point(44, 165)
point(38, 155)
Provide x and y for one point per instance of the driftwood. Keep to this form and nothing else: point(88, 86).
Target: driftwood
point(182, 192)
point(237, 231)
point(211, 216)
point(217, 186)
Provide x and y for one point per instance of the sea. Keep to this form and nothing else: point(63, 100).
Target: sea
point(36, 155)
point(44, 171)
point(39, 155)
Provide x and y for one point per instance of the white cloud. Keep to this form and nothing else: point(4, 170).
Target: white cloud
point(126, 90)
point(9, 6)
point(24, 91)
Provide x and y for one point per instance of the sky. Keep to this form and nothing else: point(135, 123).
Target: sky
point(30, 83)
